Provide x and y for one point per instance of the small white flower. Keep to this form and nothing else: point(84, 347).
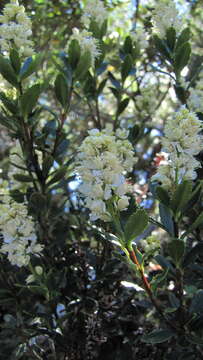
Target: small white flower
point(140, 37)
point(101, 170)
point(123, 203)
point(94, 10)
point(182, 141)
point(87, 43)
point(15, 29)
point(165, 16)
point(18, 230)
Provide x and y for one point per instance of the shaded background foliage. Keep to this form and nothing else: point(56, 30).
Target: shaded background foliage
point(83, 310)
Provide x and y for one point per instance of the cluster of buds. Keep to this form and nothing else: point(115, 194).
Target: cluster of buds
point(19, 234)
point(15, 29)
point(181, 142)
point(104, 157)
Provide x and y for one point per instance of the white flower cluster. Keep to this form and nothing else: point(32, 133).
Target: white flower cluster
point(181, 142)
point(18, 230)
point(151, 245)
point(140, 37)
point(87, 43)
point(165, 16)
point(94, 10)
point(104, 157)
point(15, 29)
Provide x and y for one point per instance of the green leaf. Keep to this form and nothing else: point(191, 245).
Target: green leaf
point(15, 60)
point(128, 46)
point(115, 92)
point(47, 164)
point(176, 250)
point(9, 104)
point(7, 122)
point(171, 37)
point(61, 90)
point(83, 65)
point(181, 196)
point(138, 254)
point(122, 105)
point(157, 279)
point(183, 38)
point(158, 336)
point(95, 29)
point(196, 305)
point(164, 263)
point(74, 53)
point(104, 28)
point(133, 134)
point(101, 87)
point(162, 47)
point(162, 195)
point(7, 72)
point(114, 81)
point(135, 225)
point(166, 218)
point(29, 99)
point(17, 195)
point(182, 57)
point(126, 67)
point(193, 254)
point(22, 178)
point(181, 93)
point(62, 147)
point(90, 86)
point(58, 175)
point(30, 66)
point(198, 222)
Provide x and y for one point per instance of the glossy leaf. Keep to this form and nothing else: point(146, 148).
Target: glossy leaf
point(74, 53)
point(9, 104)
point(164, 263)
point(30, 66)
point(183, 37)
point(196, 305)
point(166, 218)
point(135, 225)
point(15, 60)
point(162, 48)
point(58, 175)
point(83, 65)
point(171, 37)
point(198, 222)
point(158, 336)
point(182, 57)
point(29, 99)
point(193, 254)
point(126, 67)
point(22, 178)
point(122, 105)
point(176, 249)
point(128, 46)
point(181, 196)
point(162, 195)
point(7, 72)
point(61, 90)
